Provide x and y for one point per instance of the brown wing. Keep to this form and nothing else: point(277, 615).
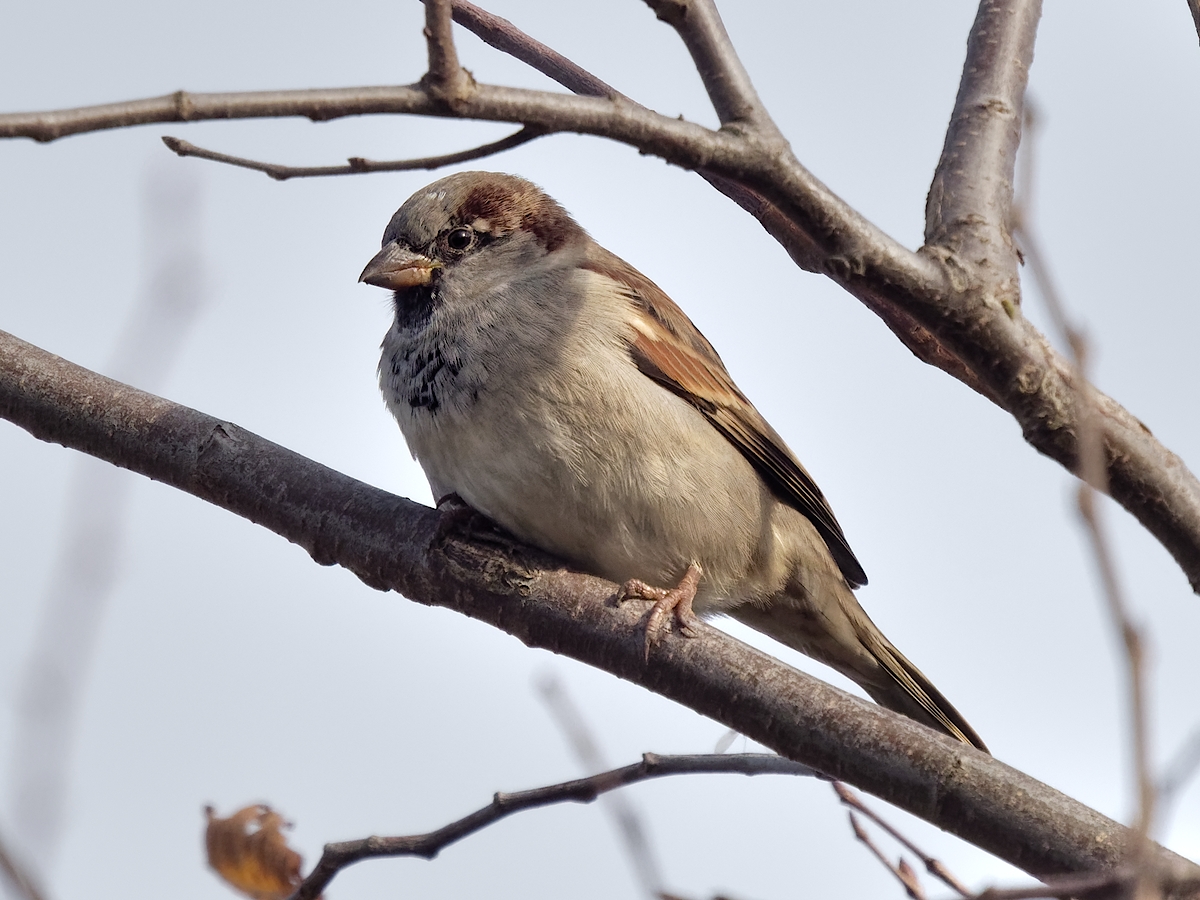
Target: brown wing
point(667, 347)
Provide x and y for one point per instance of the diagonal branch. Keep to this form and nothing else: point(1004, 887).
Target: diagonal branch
point(968, 210)
point(582, 790)
point(356, 165)
point(394, 544)
point(725, 78)
point(504, 36)
point(900, 871)
point(933, 866)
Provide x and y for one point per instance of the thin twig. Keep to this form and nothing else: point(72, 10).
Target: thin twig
point(1092, 468)
point(933, 866)
point(356, 165)
point(633, 833)
point(905, 875)
point(583, 790)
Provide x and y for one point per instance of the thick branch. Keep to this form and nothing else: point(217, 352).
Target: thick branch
point(394, 544)
point(967, 213)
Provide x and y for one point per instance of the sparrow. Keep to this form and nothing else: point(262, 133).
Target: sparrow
point(559, 392)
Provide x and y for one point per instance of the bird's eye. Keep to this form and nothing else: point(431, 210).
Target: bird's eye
point(460, 239)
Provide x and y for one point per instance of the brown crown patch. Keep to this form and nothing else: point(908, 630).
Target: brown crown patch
point(511, 204)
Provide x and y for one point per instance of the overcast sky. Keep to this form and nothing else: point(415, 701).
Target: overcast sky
point(229, 668)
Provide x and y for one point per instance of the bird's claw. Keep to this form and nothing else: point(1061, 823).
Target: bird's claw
point(457, 519)
point(677, 600)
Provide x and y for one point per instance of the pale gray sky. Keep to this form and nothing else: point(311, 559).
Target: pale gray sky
point(231, 669)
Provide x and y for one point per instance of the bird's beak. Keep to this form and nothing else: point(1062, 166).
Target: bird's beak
point(395, 267)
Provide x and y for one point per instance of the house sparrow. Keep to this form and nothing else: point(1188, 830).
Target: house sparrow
point(559, 392)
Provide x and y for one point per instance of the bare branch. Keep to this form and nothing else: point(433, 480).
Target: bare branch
point(394, 544)
point(967, 213)
point(933, 866)
point(1093, 471)
point(1194, 6)
point(630, 829)
point(725, 78)
point(906, 879)
point(447, 80)
point(508, 38)
point(583, 790)
point(356, 165)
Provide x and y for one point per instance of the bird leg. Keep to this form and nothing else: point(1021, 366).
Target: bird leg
point(677, 600)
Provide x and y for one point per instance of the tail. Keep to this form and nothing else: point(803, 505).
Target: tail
point(912, 694)
point(846, 639)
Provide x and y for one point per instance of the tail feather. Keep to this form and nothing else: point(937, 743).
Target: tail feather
point(913, 695)
point(844, 637)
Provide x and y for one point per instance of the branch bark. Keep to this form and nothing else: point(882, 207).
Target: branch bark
point(968, 212)
point(394, 544)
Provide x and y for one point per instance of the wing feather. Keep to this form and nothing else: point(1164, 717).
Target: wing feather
point(668, 348)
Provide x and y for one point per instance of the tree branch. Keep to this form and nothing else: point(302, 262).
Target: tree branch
point(356, 165)
point(582, 790)
point(394, 544)
point(447, 80)
point(968, 210)
point(725, 78)
point(933, 866)
point(506, 37)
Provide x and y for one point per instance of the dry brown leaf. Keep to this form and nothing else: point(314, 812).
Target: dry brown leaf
point(250, 852)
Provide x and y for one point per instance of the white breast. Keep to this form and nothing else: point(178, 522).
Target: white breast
point(551, 430)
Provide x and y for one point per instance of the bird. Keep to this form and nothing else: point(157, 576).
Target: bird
point(553, 388)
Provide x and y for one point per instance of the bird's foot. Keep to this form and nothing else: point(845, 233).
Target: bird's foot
point(457, 519)
point(677, 600)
